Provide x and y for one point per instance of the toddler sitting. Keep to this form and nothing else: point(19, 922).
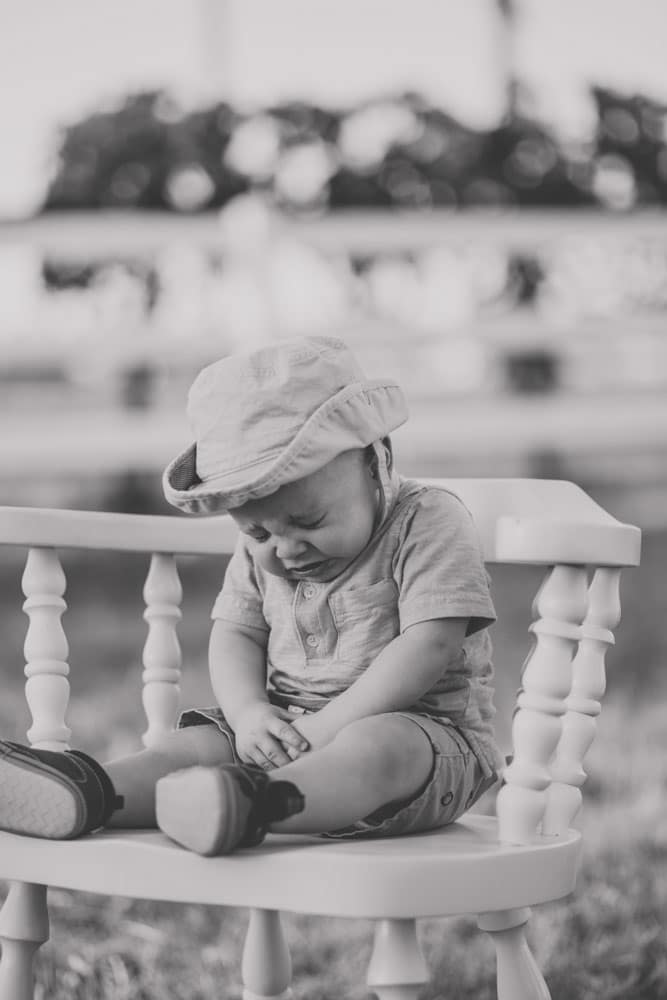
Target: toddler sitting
point(349, 652)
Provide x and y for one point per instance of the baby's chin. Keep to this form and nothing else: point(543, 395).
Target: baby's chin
point(323, 572)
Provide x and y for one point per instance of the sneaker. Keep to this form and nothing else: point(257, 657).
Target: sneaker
point(53, 794)
point(214, 810)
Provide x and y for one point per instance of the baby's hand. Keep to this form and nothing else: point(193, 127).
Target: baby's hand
point(264, 736)
point(311, 727)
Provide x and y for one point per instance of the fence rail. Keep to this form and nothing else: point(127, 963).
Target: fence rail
point(90, 235)
point(611, 426)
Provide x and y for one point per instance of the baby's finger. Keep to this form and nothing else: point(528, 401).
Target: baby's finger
point(288, 735)
point(260, 760)
point(273, 753)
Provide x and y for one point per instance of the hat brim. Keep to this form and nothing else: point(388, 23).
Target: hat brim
point(352, 418)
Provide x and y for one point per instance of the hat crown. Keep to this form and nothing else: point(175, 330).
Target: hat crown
point(248, 407)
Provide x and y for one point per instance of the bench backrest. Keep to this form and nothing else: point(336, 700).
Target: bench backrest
point(542, 522)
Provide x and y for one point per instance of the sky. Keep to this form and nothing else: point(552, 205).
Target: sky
point(62, 58)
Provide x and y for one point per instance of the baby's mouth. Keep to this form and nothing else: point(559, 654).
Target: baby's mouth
point(306, 569)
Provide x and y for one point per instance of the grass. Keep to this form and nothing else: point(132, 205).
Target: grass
point(605, 940)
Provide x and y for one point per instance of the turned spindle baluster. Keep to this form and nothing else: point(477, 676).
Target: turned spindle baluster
point(518, 975)
point(397, 970)
point(24, 926)
point(583, 703)
point(266, 966)
point(560, 604)
point(46, 650)
point(162, 652)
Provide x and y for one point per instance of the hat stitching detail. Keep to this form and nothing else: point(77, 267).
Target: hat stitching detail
point(245, 465)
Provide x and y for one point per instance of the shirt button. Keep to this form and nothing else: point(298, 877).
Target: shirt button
point(446, 799)
point(309, 590)
point(312, 640)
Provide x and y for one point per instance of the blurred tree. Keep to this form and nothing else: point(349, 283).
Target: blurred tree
point(302, 121)
point(114, 159)
point(522, 157)
point(443, 152)
point(127, 157)
point(199, 140)
point(400, 151)
point(633, 130)
point(350, 188)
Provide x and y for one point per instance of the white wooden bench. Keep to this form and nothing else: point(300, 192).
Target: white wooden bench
point(494, 867)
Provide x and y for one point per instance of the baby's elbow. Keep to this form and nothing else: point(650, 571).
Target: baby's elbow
point(440, 639)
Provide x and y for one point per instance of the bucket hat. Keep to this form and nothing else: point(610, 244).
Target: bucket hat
point(277, 414)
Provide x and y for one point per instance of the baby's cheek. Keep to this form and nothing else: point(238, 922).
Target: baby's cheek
point(334, 544)
point(269, 563)
point(348, 544)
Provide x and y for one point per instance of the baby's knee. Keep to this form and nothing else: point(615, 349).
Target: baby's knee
point(195, 745)
point(389, 749)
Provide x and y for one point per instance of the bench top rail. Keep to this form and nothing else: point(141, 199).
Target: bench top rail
point(537, 521)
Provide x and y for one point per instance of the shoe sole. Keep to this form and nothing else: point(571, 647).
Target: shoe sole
point(202, 809)
point(37, 802)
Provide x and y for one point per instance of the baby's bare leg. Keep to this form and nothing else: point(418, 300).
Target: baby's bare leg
point(135, 776)
point(370, 763)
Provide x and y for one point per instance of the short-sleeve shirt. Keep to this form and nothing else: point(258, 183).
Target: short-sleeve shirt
point(422, 562)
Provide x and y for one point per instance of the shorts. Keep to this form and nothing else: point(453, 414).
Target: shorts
point(455, 783)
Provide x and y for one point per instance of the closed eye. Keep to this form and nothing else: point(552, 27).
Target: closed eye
point(308, 525)
point(257, 534)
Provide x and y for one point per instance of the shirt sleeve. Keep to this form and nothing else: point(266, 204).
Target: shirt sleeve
point(439, 568)
point(240, 599)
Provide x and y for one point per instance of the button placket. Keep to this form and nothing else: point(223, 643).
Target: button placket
point(308, 620)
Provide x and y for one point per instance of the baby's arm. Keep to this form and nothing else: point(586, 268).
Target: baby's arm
point(237, 666)
point(404, 671)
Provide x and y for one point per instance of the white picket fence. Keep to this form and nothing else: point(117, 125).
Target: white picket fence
point(620, 420)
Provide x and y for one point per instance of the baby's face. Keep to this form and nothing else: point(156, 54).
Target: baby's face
point(313, 528)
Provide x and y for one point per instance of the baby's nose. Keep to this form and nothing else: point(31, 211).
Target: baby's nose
point(289, 548)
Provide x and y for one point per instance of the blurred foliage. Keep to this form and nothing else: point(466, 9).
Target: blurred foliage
point(127, 157)
point(149, 153)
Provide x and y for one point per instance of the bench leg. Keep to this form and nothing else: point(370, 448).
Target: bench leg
point(24, 926)
point(519, 977)
point(397, 970)
point(267, 965)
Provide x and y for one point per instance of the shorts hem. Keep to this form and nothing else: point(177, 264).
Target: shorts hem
point(433, 805)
